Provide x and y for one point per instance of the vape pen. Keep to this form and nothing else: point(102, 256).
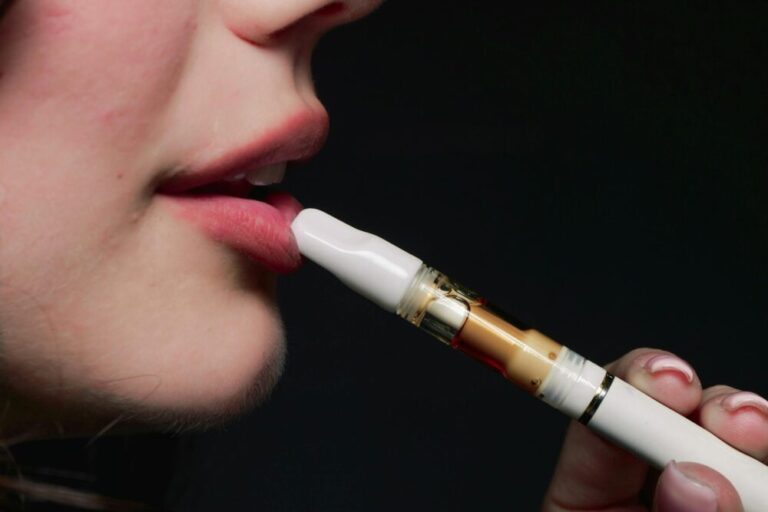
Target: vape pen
point(402, 284)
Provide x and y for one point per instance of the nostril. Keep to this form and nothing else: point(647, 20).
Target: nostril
point(331, 9)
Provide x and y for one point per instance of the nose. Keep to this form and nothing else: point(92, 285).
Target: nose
point(265, 22)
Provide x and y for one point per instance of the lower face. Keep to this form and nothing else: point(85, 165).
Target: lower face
point(116, 294)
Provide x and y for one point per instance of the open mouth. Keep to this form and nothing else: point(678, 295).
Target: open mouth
point(257, 184)
point(232, 198)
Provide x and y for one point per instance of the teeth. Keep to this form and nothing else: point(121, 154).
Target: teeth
point(236, 178)
point(266, 175)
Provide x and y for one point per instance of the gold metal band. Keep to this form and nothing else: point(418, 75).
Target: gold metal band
point(600, 393)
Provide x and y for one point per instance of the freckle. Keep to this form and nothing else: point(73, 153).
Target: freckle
point(56, 11)
point(115, 116)
point(111, 117)
point(58, 18)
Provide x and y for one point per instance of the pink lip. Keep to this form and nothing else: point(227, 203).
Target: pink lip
point(259, 229)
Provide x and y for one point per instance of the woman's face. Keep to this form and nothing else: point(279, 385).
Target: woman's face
point(129, 280)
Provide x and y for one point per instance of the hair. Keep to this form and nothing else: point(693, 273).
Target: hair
point(15, 492)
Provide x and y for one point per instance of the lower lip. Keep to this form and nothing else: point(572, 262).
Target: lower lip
point(261, 230)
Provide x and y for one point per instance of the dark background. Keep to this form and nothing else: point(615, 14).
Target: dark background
point(599, 170)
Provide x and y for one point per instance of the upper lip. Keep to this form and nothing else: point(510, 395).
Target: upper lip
point(298, 138)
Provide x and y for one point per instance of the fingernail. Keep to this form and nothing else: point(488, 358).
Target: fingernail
point(743, 399)
point(686, 494)
point(665, 363)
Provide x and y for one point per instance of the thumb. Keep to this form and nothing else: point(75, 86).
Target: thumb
point(690, 487)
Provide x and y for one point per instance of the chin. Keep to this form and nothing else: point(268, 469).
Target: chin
point(222, 374)
point(198, 369)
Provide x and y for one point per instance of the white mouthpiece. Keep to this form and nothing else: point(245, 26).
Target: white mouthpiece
point(369, 265)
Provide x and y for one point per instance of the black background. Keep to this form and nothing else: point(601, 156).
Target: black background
point(597, 169)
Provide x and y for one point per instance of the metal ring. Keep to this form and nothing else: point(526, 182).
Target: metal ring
point(602, 390)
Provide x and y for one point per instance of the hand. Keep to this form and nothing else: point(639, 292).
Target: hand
point(593, 475)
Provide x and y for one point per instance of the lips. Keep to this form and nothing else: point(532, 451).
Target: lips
point(211, 195)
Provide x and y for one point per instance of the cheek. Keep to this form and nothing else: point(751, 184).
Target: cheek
point(77, 131)
point(88, 71)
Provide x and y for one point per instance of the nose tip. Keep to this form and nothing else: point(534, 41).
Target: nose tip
point(265, 22)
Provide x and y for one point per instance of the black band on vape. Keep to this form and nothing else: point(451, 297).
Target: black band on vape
point(597, 399)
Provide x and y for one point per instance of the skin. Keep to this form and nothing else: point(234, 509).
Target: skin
point(110, 304)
